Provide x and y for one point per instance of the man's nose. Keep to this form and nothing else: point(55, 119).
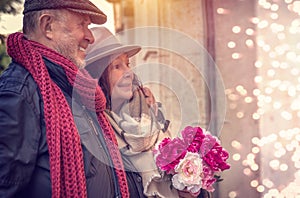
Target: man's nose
point(89, 36)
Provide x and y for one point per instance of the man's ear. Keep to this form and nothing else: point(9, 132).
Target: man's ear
point(46, 25)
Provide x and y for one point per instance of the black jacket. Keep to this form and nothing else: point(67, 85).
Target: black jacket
point(24, 158)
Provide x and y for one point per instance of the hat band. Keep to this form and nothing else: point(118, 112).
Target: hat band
point(104, 49)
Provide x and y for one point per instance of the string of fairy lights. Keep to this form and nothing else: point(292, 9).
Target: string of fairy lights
point(277, 42)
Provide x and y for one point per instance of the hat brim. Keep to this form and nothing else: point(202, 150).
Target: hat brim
point(96, 17)
point(130, 50)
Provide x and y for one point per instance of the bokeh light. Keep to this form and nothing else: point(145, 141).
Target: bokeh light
point(275, 38)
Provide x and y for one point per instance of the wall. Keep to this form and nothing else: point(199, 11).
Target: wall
point(179, 65)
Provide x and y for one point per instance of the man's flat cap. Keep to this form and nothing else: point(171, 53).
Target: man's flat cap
point(79, 6)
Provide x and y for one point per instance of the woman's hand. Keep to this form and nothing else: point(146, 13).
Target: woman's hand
point(150, 99)
point(149, 96)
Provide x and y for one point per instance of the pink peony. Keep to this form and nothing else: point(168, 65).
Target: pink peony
point(208, 143)
point(169, 154)
point(216, 158)
point(192, 137)
point(188, 173)
point(208, 178)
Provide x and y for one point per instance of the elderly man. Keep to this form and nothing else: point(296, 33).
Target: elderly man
point(54, 138)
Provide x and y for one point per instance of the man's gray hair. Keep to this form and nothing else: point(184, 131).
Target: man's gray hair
point(31, 19)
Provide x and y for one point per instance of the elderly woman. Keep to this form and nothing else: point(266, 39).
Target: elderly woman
point(131, 109)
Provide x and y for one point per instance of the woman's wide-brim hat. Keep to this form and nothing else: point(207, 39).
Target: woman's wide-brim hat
point(106, 44)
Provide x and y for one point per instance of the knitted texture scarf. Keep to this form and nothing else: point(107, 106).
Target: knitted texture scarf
point(65, 151)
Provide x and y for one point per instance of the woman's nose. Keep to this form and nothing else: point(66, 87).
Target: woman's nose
point(128, 73)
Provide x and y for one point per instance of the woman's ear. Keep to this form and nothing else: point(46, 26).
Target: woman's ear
point(46, 25)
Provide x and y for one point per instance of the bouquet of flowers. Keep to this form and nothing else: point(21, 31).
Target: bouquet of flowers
point(193, 160)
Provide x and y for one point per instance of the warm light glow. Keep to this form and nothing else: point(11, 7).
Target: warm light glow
point(286, 115)
point(236, 55)
point(235, 144)
point(251, 157)
point(254, 167)
point(277, 105)
point(236, 157)
point(260, 188)
point(254, 183)
point(249, 31)
point(295, 71)
point(255, 140)
point(236, 29)
point(222, 11)
point(258, 64)
point(258, 79)
point(269, 90)
point(262, 24)
point(249, 43)
point(248, 99)
point(233, 97)
point(256, 116)
point(274, 16)
point(275, 95)
point(273, 193)
point(247, 171)
point(255, 20)
point(274, 164)
point(283, 167)
point(256, 92)
point(232, 194)
point(231, 44)
point(268, 183)
point(255, 150)
point(271, 73)
point(239, 114)
point(295, 7)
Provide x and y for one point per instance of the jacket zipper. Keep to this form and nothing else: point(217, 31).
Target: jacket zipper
point(90, 120)
point(115, 180)
point(92, 124)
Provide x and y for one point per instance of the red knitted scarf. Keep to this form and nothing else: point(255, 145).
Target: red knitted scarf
point(66, 157)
